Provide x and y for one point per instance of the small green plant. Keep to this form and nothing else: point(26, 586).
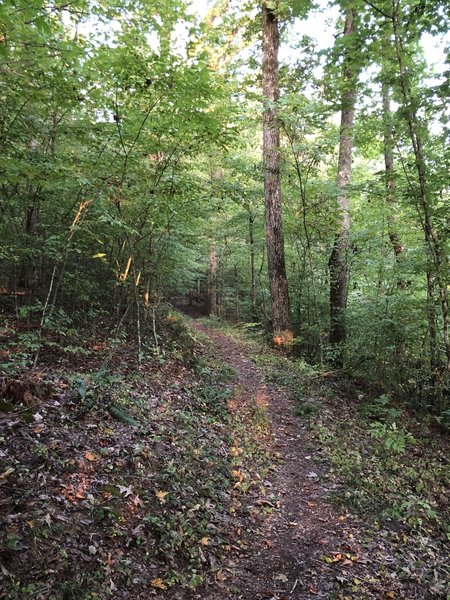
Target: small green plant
point(260, 418)
point(393, 438)
point(307, 409)
point(444, 418)
point(379, 409)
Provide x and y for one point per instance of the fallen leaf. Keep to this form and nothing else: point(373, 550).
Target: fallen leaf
point(126, 491)
point(159, 583)
point(347, 563)
point(236, 474)
point(204, 541)
point(281, 577)
point(390, 594)
point(220, 576)
point(6, 473)
point(90, 456)
point(161, 495)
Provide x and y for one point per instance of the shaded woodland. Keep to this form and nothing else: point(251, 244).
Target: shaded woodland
point(225, 161)
point(132, 174)
point(131, 164)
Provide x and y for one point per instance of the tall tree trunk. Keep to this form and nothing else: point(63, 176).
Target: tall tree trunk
point(388, 143)
point(432, 329)
point(212, 281)
point(281, 323)
point(28, 267)
point(339, 256)
point(251, 241)
point(236, 291)
point(438, 257)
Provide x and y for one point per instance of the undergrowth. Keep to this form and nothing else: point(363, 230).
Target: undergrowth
point(124, 479)
point(386, 464)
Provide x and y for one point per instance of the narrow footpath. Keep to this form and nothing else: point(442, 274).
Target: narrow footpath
point(284, 560)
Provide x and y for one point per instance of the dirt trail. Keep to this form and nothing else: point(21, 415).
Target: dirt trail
point(284, 561)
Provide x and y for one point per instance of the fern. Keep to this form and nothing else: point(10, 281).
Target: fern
point(118, 412)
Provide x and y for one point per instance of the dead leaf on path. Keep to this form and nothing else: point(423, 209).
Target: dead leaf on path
point(232, 404)
point(236, 474)
point(220, 576)
point(158, 583)
point(347, 563)
point(281, 577)
point(90, 456)
point(138, 502)
point(126, 491)
point(161, 496)
point(268, 543)
point(204, 541)
point(7, 473)
point(390, 594)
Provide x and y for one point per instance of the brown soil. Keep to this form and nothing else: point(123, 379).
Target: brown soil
point(285, 557)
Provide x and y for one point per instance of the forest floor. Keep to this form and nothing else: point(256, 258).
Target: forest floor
point(214, 469)
point(309, 544)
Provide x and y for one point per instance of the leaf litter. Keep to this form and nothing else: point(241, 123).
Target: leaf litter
point(210, 489)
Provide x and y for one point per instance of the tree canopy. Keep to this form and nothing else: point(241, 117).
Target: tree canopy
point(131, 145)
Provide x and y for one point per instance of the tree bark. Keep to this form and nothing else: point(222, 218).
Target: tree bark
point(339, 256)
point(432, 238)
point(432, 329)
point(251, 241)
point(388, 143)
point(281, 323)
point(212, 282)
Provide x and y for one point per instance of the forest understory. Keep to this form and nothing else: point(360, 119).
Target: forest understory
point(213, 467)
point(224, 299)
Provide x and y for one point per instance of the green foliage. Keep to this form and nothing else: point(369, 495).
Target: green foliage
point(124, 154)
point(379, 408)
point(119, 413)
point(393, 438)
